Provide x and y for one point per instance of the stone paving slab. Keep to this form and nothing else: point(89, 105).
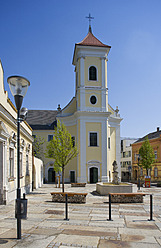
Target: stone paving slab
point(145, 232)
point(77, 240)
point(39, 241)
point(123, 244)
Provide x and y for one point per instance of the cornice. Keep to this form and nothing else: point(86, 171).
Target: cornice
point(12, 121)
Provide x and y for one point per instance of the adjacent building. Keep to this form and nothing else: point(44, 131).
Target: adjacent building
point(155, 142)
point(126, 158)
point(92, 122)
point(8, 149)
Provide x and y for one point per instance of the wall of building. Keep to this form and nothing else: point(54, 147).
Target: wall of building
point(136, 171)
point(8, 140)
point(38, 173)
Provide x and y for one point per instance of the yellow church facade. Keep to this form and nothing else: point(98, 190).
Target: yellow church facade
point(93, 124)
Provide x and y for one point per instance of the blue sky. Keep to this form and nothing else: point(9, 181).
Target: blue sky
point(37, 39)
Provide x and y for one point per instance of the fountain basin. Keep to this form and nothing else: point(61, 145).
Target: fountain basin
point(106, 188)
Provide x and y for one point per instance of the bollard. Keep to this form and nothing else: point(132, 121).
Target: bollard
point(66, 207)
point(151, 208)
point(109, 208)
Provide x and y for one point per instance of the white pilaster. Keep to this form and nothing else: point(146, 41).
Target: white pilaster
point(82, 99)
point(104, 100)
point(104, 152)
point(83, 176)
point(82, 71)
point(103, 72)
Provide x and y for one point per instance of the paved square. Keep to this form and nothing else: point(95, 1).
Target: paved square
point(87, 225)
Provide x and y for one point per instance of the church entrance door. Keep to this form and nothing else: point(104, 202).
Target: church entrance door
point(72, 176)
point(51, 175)
point(93, 175)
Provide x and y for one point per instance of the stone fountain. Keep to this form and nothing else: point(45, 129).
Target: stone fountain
point(115, 186)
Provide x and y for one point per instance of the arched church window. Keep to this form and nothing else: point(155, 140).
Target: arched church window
point(93, 73)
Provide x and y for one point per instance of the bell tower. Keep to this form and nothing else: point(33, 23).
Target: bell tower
point(90, 61)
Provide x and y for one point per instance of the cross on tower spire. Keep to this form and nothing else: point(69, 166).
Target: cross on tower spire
point(90, 18)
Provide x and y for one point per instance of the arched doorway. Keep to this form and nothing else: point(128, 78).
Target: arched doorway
point(93, 175)
point(51, 175)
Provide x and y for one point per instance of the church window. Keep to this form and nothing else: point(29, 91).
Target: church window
point(93, 100)
point(27, 165)
point(155, 154)
point(92, 73)
point(11, 162)
point(93, 139)
point(50, 137)
point(109, 143)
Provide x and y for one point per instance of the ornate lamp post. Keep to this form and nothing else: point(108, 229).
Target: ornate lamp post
point(18, 86)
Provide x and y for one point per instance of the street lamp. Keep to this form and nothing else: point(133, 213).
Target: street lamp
point(18, 86)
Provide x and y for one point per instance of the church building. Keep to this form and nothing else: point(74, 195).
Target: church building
point(92, 122)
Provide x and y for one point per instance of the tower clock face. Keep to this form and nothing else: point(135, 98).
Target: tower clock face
point(93, 100)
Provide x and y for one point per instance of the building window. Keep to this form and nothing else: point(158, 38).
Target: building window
point(27, 165)
point(109, 143)
point(155, 172)
point(155, 153)
point(20, 164)
point(129, 153)
point(93, 73)
point(93, 99)
point(121, 145)
point(11, 162)
point(93, 139)
point(50, 137)
point(123, 154)
point(73, 141)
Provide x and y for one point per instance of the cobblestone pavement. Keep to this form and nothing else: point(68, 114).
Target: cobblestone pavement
point(88, 224)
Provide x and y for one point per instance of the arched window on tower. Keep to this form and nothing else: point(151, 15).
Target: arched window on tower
point(92, 73)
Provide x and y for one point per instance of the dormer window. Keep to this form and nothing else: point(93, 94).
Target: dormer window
point(93, 73)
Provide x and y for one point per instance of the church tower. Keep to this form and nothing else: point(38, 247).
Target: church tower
point(93, 123)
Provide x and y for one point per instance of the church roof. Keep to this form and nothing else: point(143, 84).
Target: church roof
point(42, 119)
point(91, 40)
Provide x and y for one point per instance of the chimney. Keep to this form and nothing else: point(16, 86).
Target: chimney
point(157, 129)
